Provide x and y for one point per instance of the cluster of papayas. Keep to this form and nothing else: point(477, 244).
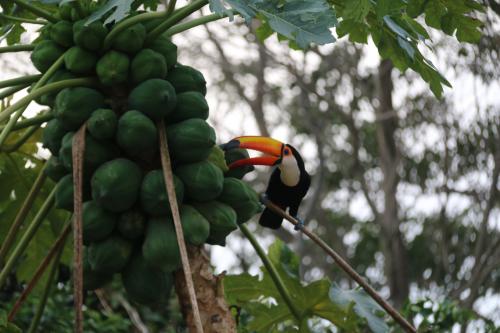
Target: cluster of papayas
point(127, 223)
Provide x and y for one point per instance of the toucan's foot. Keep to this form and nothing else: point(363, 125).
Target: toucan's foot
point(299, 226)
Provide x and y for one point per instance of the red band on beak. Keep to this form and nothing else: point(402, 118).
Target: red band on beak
point(263, 160)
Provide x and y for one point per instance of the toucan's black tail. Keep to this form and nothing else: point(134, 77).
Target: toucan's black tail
point(270, 220)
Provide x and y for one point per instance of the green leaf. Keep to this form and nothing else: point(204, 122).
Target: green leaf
point(358, 32)
point(245, 287)
point(434, 11)
point(301, 21)
point(119, 10)
point(364, 306)
point(415, 7)
point(356, 10)
point(467, 29)
point(268, 316)
point(281, 256)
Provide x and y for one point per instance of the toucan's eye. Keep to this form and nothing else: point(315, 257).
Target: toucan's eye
point(286, 152)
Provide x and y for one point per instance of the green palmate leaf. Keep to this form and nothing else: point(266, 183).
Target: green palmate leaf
point(301, 21)
point(118, 9)
point(267, 317)
point(245, 288)
point(362, 304)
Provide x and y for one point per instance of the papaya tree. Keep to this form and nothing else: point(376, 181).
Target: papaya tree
point(132, 155)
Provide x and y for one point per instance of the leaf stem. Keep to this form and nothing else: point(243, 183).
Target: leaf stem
point(27, 236)
point(25, 137)
point(193, 23)
point(36, 89)
point(22, 20)
point(171, 6)
point(12, 90)
point(55, 250)
point(27, 79)
point(278, 282)
point(177, 16)
point(52, 87)
point(35, 10)
point(17, 48)
point(38, 120)
point(21, 215)
point(46, 292)
point(128, 23)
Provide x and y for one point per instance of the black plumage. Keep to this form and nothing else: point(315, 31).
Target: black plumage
point(285, 196)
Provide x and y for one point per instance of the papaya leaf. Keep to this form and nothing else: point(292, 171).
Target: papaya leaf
point(362, 304)
point(119, 10)
point(267, 317)
point(301, 21)
point(5, 325)
point(245, 288)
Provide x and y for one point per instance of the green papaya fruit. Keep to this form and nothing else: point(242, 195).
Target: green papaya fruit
point(217, 157)
point(90, 36)
point(241, 197)
point(234, 155)
point(131, 39)
point(102, 124)
point(144, 283)
point(45, 54)
point(116, 184)
point(131, 224)
point(60, 75)
point(112, 68)
point(203, 181)
point(154, 197)
point(109, 255)
point(62, 33)
point(98, 223)
point(96, 152)
point(154, 97)
point(65, 11)
point(64, 193)
point(166, 48)
point(75, 105)
point(160, 248)
point(136, 134)
point(54, 169)
point(222, 219)
point(148, 64)
point(185, 78)
point(52, 135)
point(190, 104)
point(91, 279)
point(195, 227)
point(190, 140)
point(79, 60)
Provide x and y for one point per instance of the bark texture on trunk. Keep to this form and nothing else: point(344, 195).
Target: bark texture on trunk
point(214, 311)
point(396, 261)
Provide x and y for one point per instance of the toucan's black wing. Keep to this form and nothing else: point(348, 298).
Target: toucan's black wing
point(274, 193)
point(302, 189)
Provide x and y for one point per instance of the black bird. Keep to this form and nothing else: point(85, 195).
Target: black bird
point(289, 182)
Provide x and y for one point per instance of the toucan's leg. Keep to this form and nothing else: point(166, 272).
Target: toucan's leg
point(300, 225)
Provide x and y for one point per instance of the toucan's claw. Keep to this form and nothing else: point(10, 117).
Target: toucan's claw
point(299, 226)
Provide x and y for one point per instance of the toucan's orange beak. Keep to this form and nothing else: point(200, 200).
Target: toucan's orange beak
point(269, 146)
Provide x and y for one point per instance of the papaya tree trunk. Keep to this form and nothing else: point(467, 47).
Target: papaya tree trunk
point(214, 311)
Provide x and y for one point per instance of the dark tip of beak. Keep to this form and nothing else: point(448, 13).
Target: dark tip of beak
point(230, 145)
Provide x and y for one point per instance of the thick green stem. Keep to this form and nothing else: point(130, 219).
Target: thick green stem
point(177, 16)
point(27, 236)
point(27, 79)
point(25, 137)
point(52, 87)
point(22, 20)
point(17, 48)
point(13, 120)
point(38, 120)
point(46, 292)
point(194, 23)
point(127, 23)
point(21, 215)
point(35, 10)
point(12, 90)
point(171, 6)
point(278, 282)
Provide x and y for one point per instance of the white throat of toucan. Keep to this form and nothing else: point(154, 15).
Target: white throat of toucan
point(290, 172)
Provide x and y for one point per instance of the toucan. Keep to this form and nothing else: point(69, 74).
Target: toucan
point(289, 181)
